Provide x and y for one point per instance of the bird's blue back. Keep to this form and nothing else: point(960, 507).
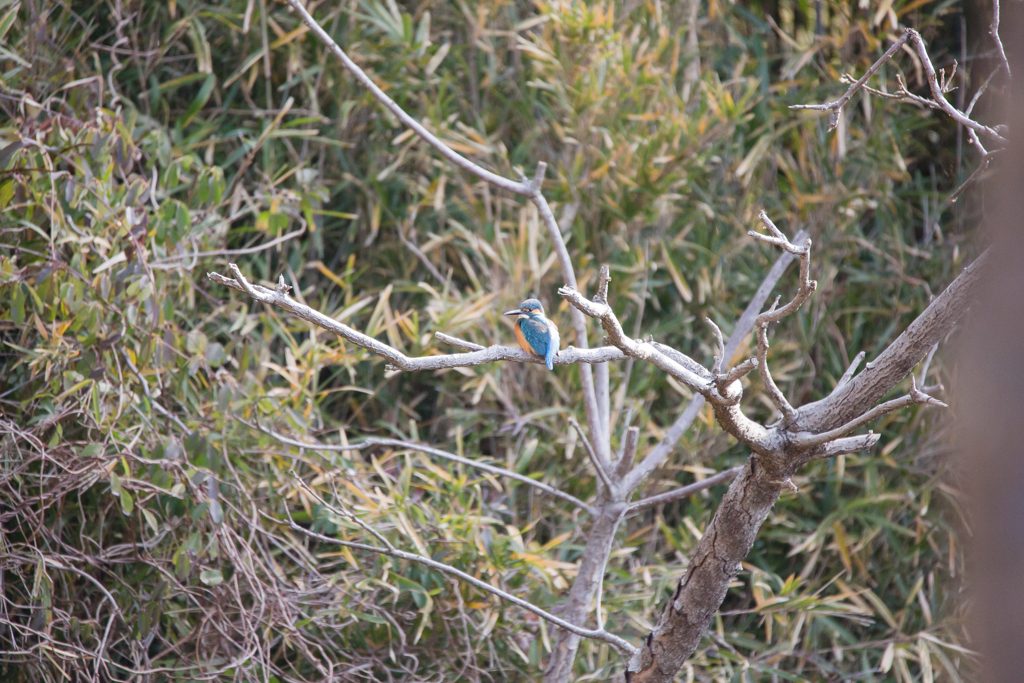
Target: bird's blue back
point(538, 335)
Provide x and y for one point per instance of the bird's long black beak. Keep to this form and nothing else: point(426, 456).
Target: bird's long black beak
point(515, 312)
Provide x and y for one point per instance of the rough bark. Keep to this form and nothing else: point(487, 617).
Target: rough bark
point(715, 562)
point(732, 531)
point(899, 358)
point(588, 581)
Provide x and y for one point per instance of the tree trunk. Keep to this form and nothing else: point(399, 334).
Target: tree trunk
point(588, 580)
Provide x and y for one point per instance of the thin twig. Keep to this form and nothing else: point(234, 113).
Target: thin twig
point(170, 260)
point(342, 512)
point(720, 358)
point(994, 30)
point(685, 491)
point(598, 465)
point(411, 246)
point(397, 359)
point(423, 448)
point(778, 399)
point(927, 364)
point(851, 371)
point(615, 641)
point(455, 341)
point(807, 285)
point(805, 440)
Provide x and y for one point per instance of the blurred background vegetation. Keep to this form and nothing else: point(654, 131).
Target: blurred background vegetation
point(145, 143)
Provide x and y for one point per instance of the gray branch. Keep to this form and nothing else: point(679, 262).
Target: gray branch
point(398, 360)
point(684, 491)
point(658, 454)
point(861, 393)
point(595, 459)
point(731, 533)
point(700, 383)
point(804, 440)
point(429, 450)
point(849, 444)
point(938, 91)
point(596, 634)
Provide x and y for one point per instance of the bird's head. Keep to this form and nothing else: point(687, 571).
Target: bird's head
point(529, 308)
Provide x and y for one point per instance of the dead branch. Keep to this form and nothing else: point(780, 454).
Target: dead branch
point(601, 467)
point(658, 454)
point(684, 491)
point(937, 89)
point(640, 350)
point(596, 634)
point(803, 440)
point(396, 359)
point(528, 188)
point(429, 450)
point(859, 394)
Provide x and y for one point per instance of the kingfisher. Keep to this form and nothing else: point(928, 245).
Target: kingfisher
point(535, 333)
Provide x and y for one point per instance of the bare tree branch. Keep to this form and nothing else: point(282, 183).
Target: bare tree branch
point(804, 440)
point(594, 458)
point(745, 323)
point(430, 450)
point(716, 369)
point(837, 107)
point(171, 261)
point(778, 399)
point(601, 379)
point(914, 38)
point(397, 359)
point(818, 430)
point(850, 371)
point(633, 348)
point(589, 575)
point(807, 285)
point(524, 187)
point(849, 444)
point(455, 341)
point(994, 31)
point(740, 371)
point(629, 446)
point(343, 512)
point(684, 491)
point(861, 393)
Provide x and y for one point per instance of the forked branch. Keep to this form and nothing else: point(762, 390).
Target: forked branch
point(775, 314)
point(803, 440)
point(530, 188)
point(400, 444)
point(806, 286)
point(479, 355)
point(937, 89)
point(615, 641)
point(669, 360)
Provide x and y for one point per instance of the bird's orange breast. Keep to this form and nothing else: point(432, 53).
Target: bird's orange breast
point(523, 344)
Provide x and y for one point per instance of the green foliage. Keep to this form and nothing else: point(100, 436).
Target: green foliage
point(218, 133)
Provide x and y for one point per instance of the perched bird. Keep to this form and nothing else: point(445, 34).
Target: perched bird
point(535, 333)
